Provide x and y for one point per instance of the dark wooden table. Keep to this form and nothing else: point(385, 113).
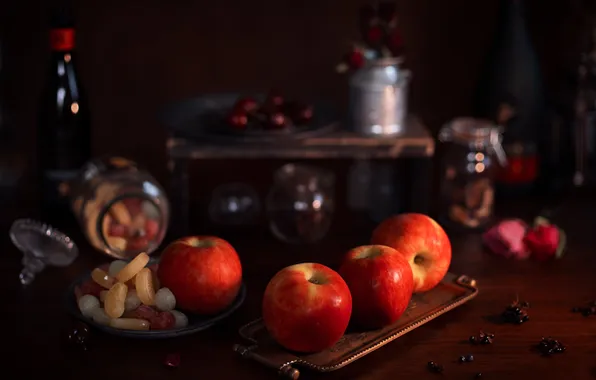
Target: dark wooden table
point(34, 317)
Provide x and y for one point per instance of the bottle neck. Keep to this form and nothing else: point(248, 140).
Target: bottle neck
point(62, 39)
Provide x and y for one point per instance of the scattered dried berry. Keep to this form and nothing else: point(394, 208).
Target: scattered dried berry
point(172, 360)
point(434, 367)
point(550, 346)
point(462, 359)
point(478, 375)
point(516, 313)
point(469, 358)
point(586, 311)
point(482, 338)
point(77, 337)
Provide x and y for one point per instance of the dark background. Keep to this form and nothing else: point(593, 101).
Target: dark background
point(136, 55)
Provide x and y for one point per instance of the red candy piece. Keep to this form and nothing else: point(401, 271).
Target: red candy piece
point(118, 230)
point(90, 287)
point(151, 229)
point(145, 312)
point(163, 321)
point(137, 244)
point(172, 360)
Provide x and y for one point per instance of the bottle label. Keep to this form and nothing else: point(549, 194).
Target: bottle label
point(62, 39)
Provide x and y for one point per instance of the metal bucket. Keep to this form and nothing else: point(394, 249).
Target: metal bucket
point(378, 99)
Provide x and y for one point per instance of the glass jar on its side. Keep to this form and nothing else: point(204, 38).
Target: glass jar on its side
point(121, 208)
point(473, 154)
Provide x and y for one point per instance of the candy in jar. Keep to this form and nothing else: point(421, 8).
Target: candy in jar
point(121, 208)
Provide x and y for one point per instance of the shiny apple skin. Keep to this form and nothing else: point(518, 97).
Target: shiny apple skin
point(381, 283)
point(422, 241)
point(203, 272)
point(303, 316)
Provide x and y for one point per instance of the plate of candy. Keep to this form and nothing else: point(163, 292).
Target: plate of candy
point(124, 298)
point(248, 117)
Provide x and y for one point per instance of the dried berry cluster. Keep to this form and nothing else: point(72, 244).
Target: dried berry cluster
point(550, 346)
point(273, 114)
point(586, 311)
point(381, 37)
point(77, 337)
point(482, 338)
point(434, 367)
point(516, 313)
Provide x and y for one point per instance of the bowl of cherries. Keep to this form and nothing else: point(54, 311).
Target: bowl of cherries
point(273, 114)
point(248, 117)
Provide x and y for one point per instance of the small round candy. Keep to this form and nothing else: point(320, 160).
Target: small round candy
point(99, 316)
point(132, 301)
point(165, 300)
point(181, 320)
point(115, 267)
point(87, 304)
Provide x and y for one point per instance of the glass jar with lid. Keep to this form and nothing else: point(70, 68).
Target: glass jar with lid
point(473, 153)
point(121, 208)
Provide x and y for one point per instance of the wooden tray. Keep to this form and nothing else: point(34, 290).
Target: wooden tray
point(452, 292)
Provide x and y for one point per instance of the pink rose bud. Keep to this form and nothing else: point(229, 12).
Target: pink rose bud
point(507, 239)
point(543, 241)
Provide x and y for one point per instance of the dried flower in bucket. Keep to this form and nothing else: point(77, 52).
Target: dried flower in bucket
point(380, 37)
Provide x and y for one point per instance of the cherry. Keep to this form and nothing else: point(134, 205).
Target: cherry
point(237, 119)
point(299, 113)
point(275, 99)
point(246, 104)
point(277, 120)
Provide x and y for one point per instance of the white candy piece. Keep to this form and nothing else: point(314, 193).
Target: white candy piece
point(115, 267)
point(149, 209)
point(165, 300)
point(87, 304)
point(99, 316)
point(181, 320)
point(132, 300)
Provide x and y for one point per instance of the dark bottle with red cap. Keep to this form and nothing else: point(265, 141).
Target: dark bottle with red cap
point(64, 138)
point(510, 92)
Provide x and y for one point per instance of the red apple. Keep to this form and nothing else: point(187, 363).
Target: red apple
point(203, 272)
point(307, 307)
point(422, 241)
point(381, 283)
